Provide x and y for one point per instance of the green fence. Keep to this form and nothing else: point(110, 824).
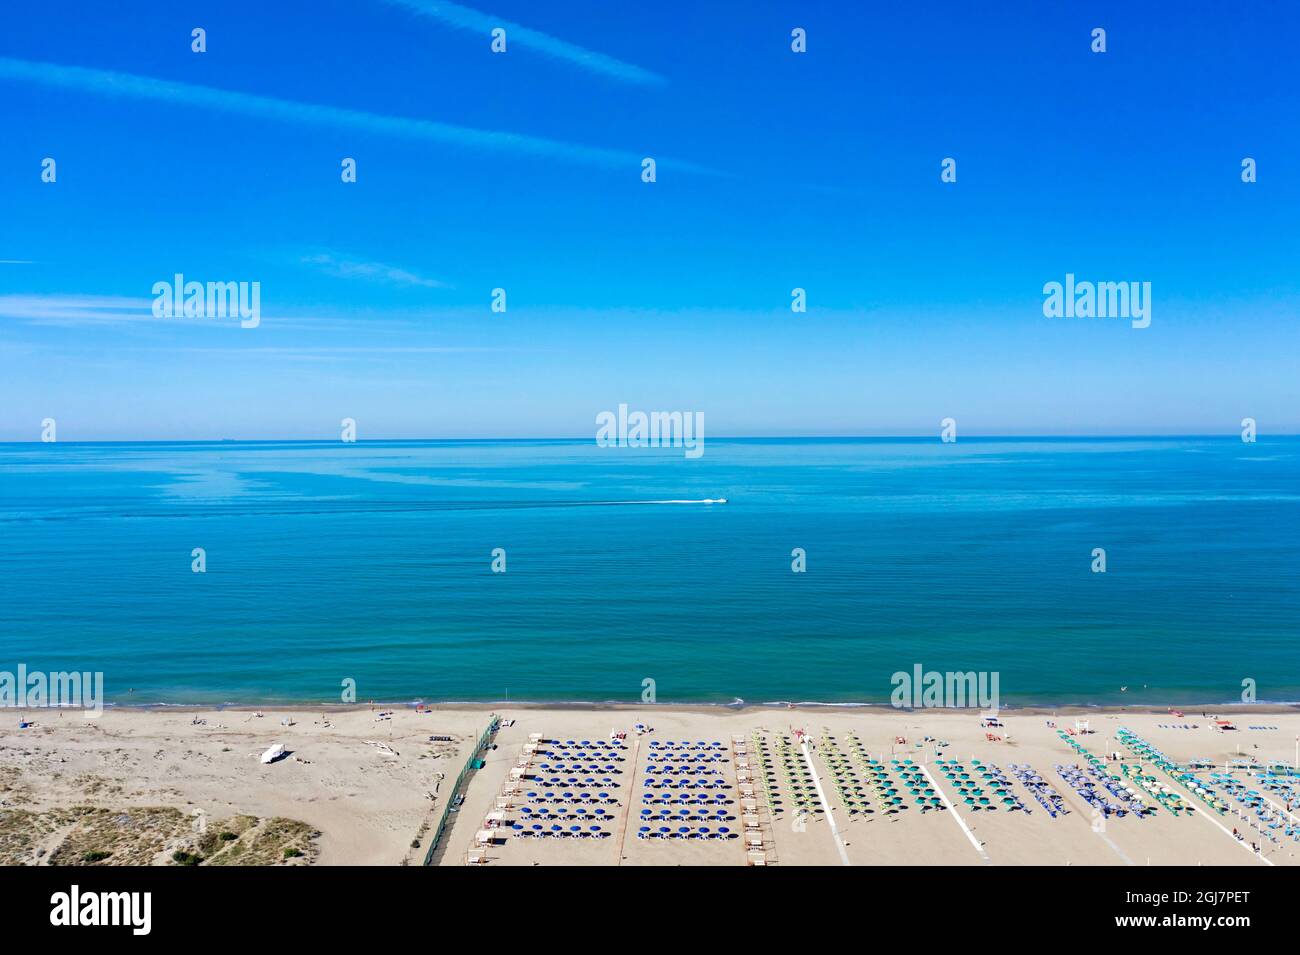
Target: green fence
point(483, 742)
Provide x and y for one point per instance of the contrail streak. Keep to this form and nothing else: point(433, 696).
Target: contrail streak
point(466, 19)
point(114, 84)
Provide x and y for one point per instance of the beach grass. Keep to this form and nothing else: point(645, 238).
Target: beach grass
point(152, 835)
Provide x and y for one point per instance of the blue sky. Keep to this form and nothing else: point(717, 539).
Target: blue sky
point(522, 171)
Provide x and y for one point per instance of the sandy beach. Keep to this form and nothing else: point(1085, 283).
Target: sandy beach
point(801, 786)
point(360, 780)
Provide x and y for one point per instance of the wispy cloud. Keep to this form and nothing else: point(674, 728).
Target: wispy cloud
point(112, 83)
point(74, 309)
point(348, 354)
point(16, 262)
point(466, 19)
point(331, 264)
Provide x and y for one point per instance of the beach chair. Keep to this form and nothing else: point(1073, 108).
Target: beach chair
point(476, 857)
point(756, 858)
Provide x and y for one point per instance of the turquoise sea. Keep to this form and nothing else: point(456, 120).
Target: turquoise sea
point(372, 561)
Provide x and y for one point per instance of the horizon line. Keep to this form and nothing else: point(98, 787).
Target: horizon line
point(589, 438)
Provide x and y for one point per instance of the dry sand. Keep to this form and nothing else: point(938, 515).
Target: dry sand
point(368, 805)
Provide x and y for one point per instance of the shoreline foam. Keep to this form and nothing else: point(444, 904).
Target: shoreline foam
point(1033, 709)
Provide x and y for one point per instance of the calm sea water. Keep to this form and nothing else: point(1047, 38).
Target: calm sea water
point(372, 562)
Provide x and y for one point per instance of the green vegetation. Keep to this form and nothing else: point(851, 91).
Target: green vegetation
point(152, 835)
